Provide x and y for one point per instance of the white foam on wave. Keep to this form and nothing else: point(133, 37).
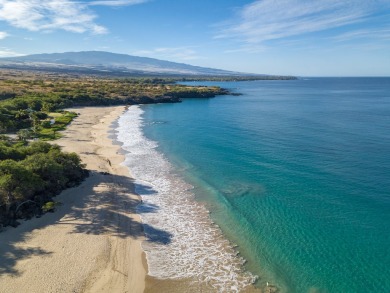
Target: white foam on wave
point(183, 241)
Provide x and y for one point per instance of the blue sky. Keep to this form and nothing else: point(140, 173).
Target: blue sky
point(295, 37)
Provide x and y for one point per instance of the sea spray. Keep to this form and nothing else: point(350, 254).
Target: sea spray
point(182, 242)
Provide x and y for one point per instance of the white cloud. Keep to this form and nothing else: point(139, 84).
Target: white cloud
point(178, 53)
point(117, 2)
point(378, 33)
point(49, 15)
point(5, 52)
point(266, 20)
point(3, 35)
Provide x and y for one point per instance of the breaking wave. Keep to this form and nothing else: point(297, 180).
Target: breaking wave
point(183, 242)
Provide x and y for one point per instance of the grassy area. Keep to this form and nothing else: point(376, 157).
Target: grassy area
point(51, 131)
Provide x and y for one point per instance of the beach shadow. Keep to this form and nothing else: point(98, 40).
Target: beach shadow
point(142, 189)
point(10, 254)
point(111, 211)
point(147, 208)
point(14, 240)
point(156, 235)
point(105, 207)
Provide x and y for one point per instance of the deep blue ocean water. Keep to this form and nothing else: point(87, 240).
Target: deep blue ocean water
point(296, 173)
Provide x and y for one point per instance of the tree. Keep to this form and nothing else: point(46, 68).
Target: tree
point(21, 114)
point(72, 166)
point(17, 183)
point(47, 107)
point(24, 134)
point(41, 147)
point(51, 172)
point(36, 122)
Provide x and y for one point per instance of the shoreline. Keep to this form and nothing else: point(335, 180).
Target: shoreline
point(186, 250)
point(92, 242)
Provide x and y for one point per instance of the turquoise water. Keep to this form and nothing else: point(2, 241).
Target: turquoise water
point(296, 173)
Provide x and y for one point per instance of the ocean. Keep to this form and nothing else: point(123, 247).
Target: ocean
point(288, 183)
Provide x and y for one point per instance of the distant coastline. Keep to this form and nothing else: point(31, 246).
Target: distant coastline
point(107, 64)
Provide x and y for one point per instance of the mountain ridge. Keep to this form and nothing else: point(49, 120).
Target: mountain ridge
point(114, 62)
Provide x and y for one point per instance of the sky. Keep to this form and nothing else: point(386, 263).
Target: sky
point(282, 37)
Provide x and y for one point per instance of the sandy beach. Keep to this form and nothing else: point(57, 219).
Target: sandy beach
point(92, 242)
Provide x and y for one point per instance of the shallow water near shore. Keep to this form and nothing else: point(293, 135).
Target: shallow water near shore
point(183, 243)
point(293, 172)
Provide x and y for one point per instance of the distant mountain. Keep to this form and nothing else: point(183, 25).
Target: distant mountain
point(105, 62)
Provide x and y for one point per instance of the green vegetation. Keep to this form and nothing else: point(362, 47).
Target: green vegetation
point(49, 129)
point(50, 206)
point(31, 174)
point(28, 100)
